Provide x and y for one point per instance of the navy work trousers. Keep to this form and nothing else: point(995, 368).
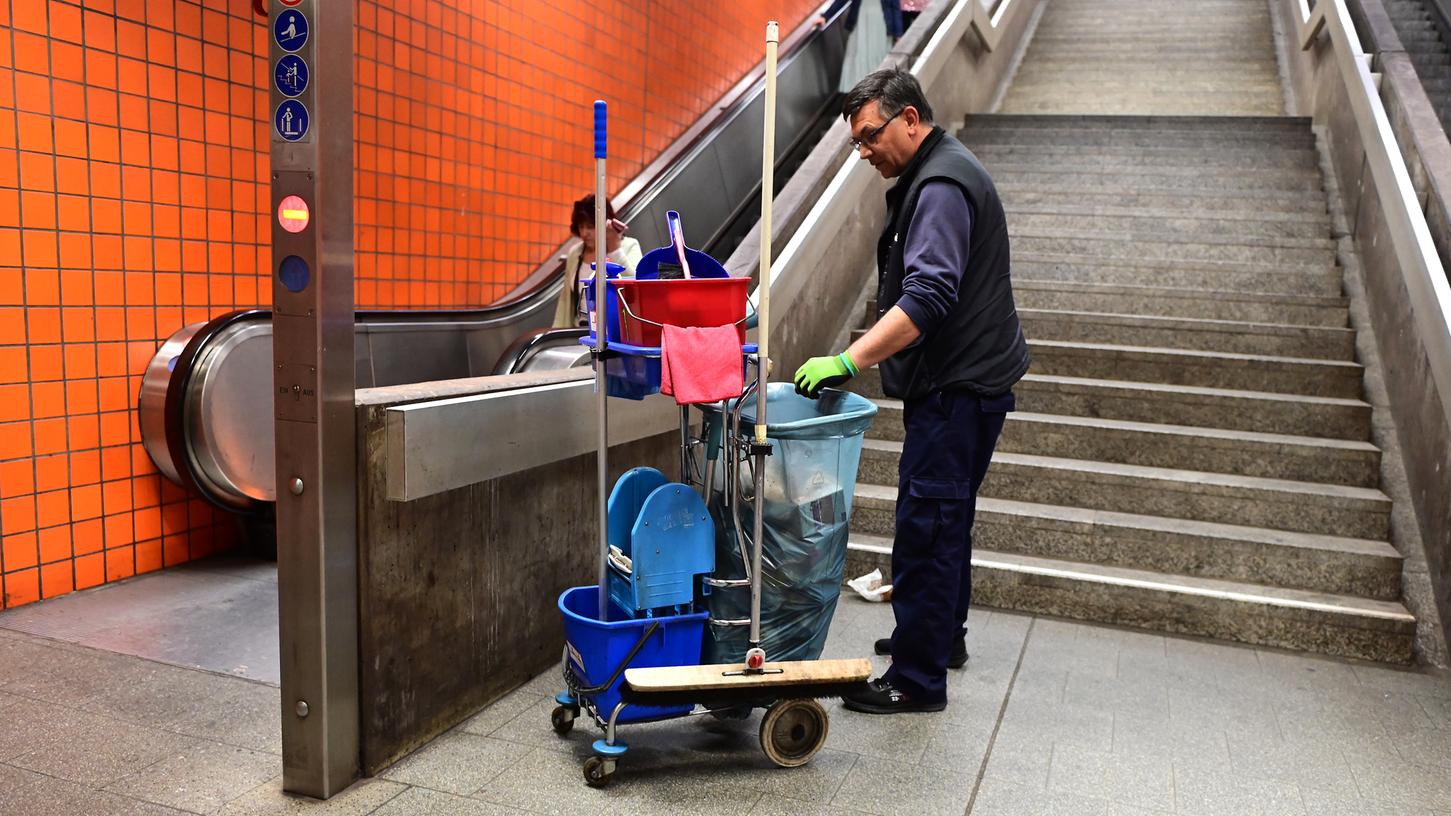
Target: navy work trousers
point(949, 440)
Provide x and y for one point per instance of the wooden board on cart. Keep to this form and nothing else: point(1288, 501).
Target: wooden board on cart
point(715, 677)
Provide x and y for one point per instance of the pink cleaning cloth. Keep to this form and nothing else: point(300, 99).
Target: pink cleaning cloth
point(701, 365)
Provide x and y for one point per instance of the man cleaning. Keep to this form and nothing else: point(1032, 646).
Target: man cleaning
point(950, 347)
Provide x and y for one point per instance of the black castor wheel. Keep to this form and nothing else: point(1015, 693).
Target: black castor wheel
point(562, 718)
point(598, 771)
point(793, 731)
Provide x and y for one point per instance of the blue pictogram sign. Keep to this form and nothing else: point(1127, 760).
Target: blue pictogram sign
point(290, 30)
point(291, 75)
point(291, 120)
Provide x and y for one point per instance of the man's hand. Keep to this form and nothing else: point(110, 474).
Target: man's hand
point(824, 372)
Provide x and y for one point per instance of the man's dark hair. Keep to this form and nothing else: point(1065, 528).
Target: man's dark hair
point(583, 214)
point(893, 89)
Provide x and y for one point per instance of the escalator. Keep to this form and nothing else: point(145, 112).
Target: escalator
point(199, 397)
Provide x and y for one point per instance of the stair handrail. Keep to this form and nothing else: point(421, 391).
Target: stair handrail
point(966, 15)
point(1420, 265)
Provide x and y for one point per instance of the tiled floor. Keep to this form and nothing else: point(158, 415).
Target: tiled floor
point(1049, 717)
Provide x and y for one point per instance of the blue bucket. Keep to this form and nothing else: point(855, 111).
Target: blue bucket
point(597, 647)
point(612, 300)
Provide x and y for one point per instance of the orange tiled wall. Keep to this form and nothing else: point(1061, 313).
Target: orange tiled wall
point(133, 181)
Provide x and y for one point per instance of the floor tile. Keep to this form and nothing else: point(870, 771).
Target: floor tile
point(200, 778)
point(268, 799)
point(884, 786)
point(425, 802)
point(95, 750)
point(457, 762)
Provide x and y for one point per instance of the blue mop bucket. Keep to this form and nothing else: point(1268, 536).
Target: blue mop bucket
point(596, 648)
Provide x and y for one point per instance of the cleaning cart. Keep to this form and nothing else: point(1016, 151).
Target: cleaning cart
point(669, 550)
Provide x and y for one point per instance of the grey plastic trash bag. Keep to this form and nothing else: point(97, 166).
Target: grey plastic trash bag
point(809, 481)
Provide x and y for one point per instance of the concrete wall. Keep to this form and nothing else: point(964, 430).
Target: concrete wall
point(1419, 426)
point(457, 590)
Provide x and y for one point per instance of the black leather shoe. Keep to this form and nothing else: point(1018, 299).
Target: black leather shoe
point(956, 659)
point(881, 697)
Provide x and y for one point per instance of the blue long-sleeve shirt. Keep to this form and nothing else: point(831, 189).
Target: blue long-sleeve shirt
point(935, 254)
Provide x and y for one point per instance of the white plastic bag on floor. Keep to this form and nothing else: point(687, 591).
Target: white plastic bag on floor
point(870, 586)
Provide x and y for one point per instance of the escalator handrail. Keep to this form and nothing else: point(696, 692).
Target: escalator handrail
point(523, 348)
point(174, 411)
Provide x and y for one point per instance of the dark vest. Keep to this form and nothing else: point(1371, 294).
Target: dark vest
point(978, 347)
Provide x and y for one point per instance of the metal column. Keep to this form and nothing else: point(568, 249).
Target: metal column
point(312, 328)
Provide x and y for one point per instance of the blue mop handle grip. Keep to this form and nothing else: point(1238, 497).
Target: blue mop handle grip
point(599, 128)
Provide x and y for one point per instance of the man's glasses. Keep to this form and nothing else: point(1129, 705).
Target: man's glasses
point(869, 138)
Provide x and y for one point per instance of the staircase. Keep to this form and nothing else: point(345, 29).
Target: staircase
point(1190, 453)
point(1415, 24)
point(1150, 56)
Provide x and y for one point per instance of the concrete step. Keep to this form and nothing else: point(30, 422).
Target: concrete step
point(1140, 157)
point(1260, 411)
point(974, 134)
point(1090, 246)
point(1322, 563)
point(1182, 447)
point(1193, 334)
point(1229, 204)
point(1078, 123)
point(1223, 498)
point(1203, 304)
point(1173, 210)
point(1130, 47)
point(1200, 369)
point(1136, 81)
point(1340, 625)
point(1157, 181)
point(1221, 336)
point(1179, 225)
point(1276, 177)
point(1174, 144)
point(1169, 101)
point(1230, 276)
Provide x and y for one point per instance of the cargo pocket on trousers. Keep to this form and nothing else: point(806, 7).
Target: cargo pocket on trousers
point(938, 505)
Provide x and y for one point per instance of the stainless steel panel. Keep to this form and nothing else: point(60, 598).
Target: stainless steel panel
point(317, 574)
point(151, 404)
point(231, 441)
point(446, 444)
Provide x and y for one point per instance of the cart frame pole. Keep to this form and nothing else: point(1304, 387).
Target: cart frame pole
point(601, 327)
point(763, 336)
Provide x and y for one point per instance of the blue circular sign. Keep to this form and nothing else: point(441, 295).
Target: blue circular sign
point(294, 273)
point(290, 30)
point(291, 75)
point(291, 120)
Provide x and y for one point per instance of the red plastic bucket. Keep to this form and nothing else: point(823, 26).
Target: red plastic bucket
point(697, 302)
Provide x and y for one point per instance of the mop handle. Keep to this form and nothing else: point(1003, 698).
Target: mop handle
point(768, 192)
point(602, 323)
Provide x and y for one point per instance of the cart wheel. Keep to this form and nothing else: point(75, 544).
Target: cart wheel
point(598, 771)
point(793, 731)
point(562, 718)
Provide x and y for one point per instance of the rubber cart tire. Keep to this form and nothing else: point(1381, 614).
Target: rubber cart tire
point(599, 771)
point(793, 731)
point(562, 718)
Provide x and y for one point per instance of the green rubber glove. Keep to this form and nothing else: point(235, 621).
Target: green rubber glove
point(824, 372)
